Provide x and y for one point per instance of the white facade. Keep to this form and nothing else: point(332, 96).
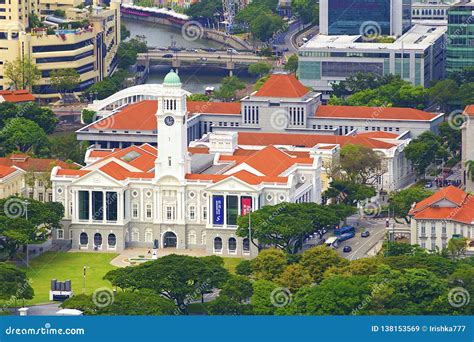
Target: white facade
point(177, 197)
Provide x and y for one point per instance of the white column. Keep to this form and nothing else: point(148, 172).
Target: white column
point(104, 206)
point(90, 205)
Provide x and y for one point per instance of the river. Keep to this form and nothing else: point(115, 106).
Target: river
point(194, 80)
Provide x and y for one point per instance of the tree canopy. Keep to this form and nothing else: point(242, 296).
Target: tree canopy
point(22, 73)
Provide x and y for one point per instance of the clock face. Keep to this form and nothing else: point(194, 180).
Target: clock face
point(169, 120)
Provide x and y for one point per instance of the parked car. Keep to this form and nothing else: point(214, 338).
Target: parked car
point(168, 55)
point(428, 185)
point(365, 233)
point(347, 249)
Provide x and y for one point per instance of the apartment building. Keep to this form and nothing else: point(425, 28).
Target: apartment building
point(85, 39)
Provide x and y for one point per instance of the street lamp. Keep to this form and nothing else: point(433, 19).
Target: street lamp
point(26, 216)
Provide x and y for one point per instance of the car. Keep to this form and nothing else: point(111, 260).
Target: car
point(203, 59)
point(347, 249)
point(168, 55)
point(428, 185)
point(365, 234)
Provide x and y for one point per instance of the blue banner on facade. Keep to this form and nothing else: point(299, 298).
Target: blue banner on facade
point(218, 209)
point(238, 328)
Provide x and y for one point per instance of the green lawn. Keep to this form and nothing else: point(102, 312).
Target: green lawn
point(63, 266)
point(231, 263)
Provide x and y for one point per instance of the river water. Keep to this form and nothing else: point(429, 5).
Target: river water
point(194, 79)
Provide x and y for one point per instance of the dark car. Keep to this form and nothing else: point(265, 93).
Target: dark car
point(168, 55)
point(347, 249)
point(365, 234)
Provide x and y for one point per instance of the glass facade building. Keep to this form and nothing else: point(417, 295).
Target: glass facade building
point(351, 16)
point(460, 46)
point(365, 17)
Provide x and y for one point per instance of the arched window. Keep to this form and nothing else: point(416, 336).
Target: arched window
point(217, 245)
point(148, 235)
point(135, 235)
point(83, 239)
point(192, 237)
point(97, 239)
point(112, 240)
point(246, 245)
point(232, 245)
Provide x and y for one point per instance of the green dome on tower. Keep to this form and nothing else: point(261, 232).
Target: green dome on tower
point(172, 79)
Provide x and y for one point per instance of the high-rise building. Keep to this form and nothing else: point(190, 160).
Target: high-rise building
point(381, 17)
point(59, 35)
point(460, 46)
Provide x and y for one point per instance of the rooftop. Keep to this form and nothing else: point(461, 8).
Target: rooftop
point(16, 96)
point(282, 85)
point(418, 37)
point(374, 113)
point(449, 203)
point(27, 163)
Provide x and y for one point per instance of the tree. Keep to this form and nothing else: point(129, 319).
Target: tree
point(466, 94)
point(400, 202)
point(224, 305)
point(213, 275)
point(260, 82)
point(261, 300)
point(320, 258)
point(64, 80)
point(450, 136)
point(244, 268)
point(59, 13)
point(238, 288)
point(294, 277)
point(269, 264)
point(23, 135)
point(285, 225)
point(259, 69)
point(348, 192)
point(124, 32)
point(361, 164)
point(143, 302)
point(179, 278)
point(424, 150)
point(457, 246)
point(398, 248)
point(362, 81)
point(307, 9)
point(265, 25)
point(292, 64)
point(205, 9)
point(228, 89)
point(43, 116)
point(14, 283)
point(22, 73)
point(444, 93)
point(199, 97)
point(65, 146)
point(88, 116)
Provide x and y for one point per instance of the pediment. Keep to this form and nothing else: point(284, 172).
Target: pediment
point(231, 184)
point(96, 178)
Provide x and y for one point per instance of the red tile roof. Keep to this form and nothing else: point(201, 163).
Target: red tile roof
point(469, 110)
point(140, 116)
point(307, 140)
point(282, 85)
point(461, 209)
point(374, 113)
point(6, 170)
point(16, 96)
point(120, 173)
point(136, 156)
point(28, 163)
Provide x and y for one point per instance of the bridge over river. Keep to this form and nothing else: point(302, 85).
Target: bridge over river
point(226, 59)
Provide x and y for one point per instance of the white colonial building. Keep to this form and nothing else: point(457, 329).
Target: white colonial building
point(468, 146)
point(447, 214)
point(178, 196)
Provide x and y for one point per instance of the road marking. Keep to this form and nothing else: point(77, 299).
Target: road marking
point(370, 240)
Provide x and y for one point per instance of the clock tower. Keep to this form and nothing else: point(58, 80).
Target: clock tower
point(173, 157)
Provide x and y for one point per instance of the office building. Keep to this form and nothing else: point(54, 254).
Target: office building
point(85, 39)
point(353, 17)
point(460, 45)
point(418, 57)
